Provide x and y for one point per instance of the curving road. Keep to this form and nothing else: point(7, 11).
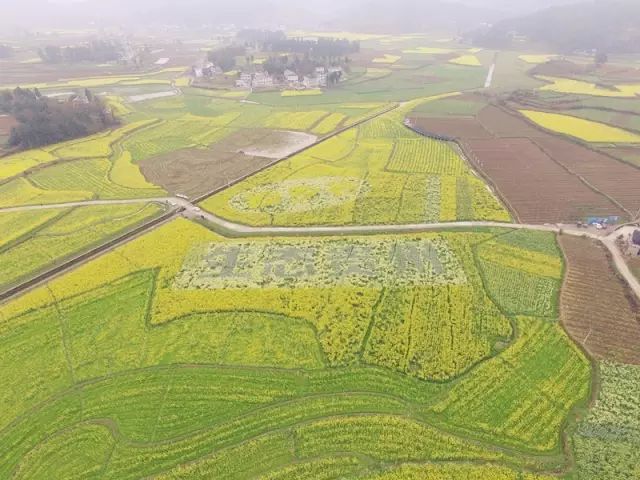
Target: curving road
point(187, 209)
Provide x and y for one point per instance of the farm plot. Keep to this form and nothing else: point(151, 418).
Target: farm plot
point(606, 441)
point(462, 105)
point(44, 239)
point(579, 87)
point(160, 339)
point(611, 177)
point(379, 172)
point(534, 185)
point(459, 128)
point(467, 60)
point(597, 309)
point(89, 177)
point(509, 260)
point(96, 146)
point(22, 192)
point(186, 131)
point(194, 172)
point(586, 130)
point(543, 178)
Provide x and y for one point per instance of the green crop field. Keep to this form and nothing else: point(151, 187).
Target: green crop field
point(343, 328)
point(41, 239)
point(342, 355)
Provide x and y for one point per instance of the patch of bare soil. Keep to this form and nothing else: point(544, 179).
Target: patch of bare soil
point(596, 306)
point(535, 187)
point(614, 178)
point(194, 172)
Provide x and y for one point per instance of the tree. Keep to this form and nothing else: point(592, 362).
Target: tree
point(43, 121)
point(601, 58)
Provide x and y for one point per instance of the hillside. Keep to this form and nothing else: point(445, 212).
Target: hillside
point(612, 26)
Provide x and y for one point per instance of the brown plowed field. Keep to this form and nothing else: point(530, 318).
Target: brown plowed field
point(616, 179)
point(596, 307)
point(535, 186)
point(542, 177)
point(194, 172)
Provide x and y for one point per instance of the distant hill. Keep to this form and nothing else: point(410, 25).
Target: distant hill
point(612, 26)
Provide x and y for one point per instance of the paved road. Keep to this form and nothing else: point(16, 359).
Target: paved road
point(489, 79)
point(190, 210)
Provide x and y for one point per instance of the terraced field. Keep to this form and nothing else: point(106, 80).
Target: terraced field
point(180, 356)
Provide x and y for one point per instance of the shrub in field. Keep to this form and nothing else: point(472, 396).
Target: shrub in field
point(581, 128)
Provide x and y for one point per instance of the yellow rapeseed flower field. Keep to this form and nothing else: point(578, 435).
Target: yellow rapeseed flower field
point(387, 59)
point(468, 60)
point(580, 128)
point(577, 87)
point(536, 59)
point(301, 93)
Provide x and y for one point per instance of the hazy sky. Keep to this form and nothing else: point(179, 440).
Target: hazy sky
point(42, 13)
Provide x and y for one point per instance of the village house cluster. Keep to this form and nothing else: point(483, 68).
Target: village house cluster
point(262, 79)
point(289, 79)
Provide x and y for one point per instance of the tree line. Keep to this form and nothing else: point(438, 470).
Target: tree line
point(95, 51)
point(43, 121)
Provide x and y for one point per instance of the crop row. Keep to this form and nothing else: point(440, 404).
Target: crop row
point(63, 233)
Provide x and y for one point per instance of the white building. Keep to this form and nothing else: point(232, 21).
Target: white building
point(244, 81)
point(291, 77)
point(262, 80)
